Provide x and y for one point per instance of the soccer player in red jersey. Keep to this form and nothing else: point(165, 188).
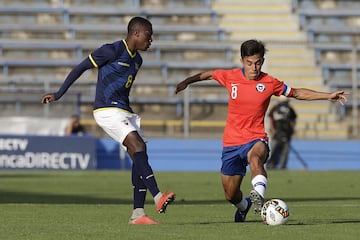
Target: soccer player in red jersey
point(245, 140)
point(118, 64)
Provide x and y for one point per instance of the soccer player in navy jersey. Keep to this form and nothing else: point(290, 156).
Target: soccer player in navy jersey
point(118, 64)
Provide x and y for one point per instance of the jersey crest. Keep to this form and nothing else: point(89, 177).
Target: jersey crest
point(260, 87)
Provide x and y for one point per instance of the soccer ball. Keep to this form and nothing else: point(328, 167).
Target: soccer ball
point(275, 212)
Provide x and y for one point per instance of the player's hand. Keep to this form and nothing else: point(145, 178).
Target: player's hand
point(48, 98)
point(339, 96)
point(181, 86)
point(197, 77)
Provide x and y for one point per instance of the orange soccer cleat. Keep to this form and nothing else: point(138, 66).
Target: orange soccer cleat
point(143, 220)
point(165, 200)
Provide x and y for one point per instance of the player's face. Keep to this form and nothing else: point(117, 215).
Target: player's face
point(252, 66)
point(144, 38)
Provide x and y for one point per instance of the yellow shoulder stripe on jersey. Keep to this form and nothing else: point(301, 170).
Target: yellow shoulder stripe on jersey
point(128, 50)
point(92, 61)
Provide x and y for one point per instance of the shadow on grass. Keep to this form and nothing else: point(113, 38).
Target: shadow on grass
point(23, 175)
point(321, 199)
point(323, 221)
point(289, 224)
point(43, 198)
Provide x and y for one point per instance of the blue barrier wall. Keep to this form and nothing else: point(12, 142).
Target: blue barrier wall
point(184, 155)
point(205, 155)
point(326, 155)
point(82, 153)
point(109, 157)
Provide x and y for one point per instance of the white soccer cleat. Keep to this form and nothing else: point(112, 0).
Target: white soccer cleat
point(257, 201)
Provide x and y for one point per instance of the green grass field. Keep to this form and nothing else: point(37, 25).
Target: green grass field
point(97, 205)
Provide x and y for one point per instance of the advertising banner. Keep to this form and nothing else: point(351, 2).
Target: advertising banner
point(47, 152)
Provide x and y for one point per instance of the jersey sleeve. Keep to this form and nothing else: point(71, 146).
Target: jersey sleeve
point(74, 74)
point(220, 76)
point(103, 55)
point(281, 88)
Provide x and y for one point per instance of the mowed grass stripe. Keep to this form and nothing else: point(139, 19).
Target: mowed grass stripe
point(97, 205)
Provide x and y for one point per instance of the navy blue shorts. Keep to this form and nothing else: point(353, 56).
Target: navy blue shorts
point(234, 159)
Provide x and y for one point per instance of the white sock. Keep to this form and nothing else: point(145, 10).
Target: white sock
point(157, 197)
point(242, 205)
point(259, 183)
point(137, 212)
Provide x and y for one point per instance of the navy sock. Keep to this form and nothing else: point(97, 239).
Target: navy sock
point(139, 189)
point(143, 169)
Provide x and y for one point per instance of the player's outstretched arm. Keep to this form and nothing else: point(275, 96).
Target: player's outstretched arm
point(74, 74)
point(308, 94)
point(195, 78)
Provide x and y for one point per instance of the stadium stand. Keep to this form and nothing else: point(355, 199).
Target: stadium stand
point(84, 31)
point(41, 40)
point(333, 32)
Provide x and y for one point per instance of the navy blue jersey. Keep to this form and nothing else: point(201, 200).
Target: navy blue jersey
point(117, 68)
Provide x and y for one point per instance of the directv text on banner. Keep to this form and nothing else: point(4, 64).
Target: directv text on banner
point(38, 152)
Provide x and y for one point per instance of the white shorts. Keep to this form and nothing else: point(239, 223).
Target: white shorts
point(118, 123)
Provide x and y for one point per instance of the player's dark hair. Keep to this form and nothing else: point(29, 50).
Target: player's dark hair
point(137, 22)
point(252, 47)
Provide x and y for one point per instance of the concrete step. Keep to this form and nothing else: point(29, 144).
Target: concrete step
point(239, 7)
point(261, 27)
point(253, 17)
point(322, 134)
point(320, 126)
point(257, 2)
point(267, 35)
point(291, 68)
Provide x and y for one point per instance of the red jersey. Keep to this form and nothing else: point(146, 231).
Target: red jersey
point(247, 105)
